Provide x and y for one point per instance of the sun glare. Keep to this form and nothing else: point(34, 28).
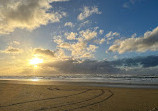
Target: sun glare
point(36, 61)
point(35, 79)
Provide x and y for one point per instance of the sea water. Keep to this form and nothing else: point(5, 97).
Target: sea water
point(106, 78)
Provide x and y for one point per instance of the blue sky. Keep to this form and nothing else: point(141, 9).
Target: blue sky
point(98, 30)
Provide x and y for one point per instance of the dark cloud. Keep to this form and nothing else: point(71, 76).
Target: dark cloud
point(137, 65)
point(85, 67)
point(149, 61)
point(134, 66)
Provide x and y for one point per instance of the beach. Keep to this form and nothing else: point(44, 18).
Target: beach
point(34, 96)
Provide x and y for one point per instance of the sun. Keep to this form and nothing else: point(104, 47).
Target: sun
point(35, 61)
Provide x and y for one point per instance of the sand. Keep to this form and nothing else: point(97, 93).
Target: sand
point(27, 97)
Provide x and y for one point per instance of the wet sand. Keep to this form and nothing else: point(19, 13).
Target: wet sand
point(70, 97)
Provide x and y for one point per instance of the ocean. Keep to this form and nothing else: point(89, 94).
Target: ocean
point(103, 78)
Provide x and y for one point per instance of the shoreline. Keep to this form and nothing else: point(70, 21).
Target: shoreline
point(82, 83)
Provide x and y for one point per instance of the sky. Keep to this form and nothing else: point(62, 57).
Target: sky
point(78, 36)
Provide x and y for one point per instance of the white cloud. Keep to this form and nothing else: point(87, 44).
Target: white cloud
point(99, 41)
point(69, 24)
point(112, 34)
point(60, 54)
point(88, 11)
point(92, 48)
point(141, 44)
point(88, 34)
point(78, 49)
point(26, 14)
point(71, 36)
point(79, 44)
point(134, 35)
point(101, 32)
point(65, 45)
point(83, 24)
point(58, 39)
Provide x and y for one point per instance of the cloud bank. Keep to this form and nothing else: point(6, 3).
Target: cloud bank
point(84, 67)
point(145, 62)
point(137, 65)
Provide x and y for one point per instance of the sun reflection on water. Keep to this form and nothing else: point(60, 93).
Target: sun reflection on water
point(35, 79)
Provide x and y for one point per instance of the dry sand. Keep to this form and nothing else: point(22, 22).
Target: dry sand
point(26, 97)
